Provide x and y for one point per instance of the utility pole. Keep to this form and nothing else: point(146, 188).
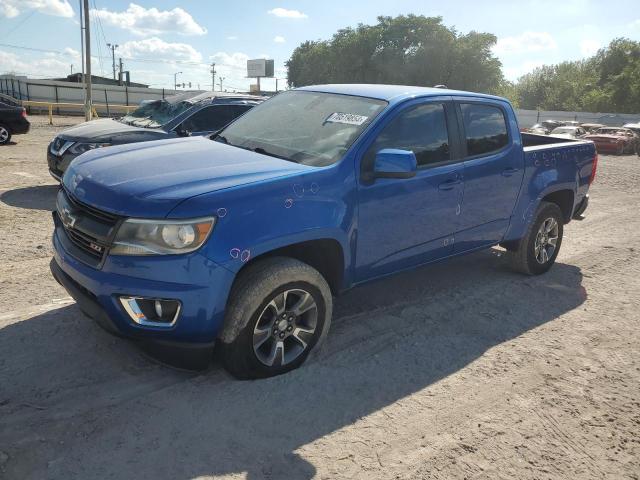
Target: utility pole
point(113, 57)
point(221, 80)
point(120, 72)
point(87, 42)
point(213, 76)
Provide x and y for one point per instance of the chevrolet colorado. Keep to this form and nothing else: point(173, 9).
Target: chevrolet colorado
point(241, 239)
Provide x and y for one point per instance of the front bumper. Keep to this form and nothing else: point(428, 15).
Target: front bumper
point(58, 164)
point(201, 286)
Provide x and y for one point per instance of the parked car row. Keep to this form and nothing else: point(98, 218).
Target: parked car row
point(178, 116)
point(617, 140)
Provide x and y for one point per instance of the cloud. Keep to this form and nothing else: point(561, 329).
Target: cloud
point(232, 37)
point(156, 48)
point(279, 39)
point(143, 21)
point(50, 65)
point(515, 72)
point(284, 13)
point(589, 47)
point(57, 8)
point(525, 42)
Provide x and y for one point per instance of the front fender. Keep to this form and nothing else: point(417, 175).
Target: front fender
point(264, 216)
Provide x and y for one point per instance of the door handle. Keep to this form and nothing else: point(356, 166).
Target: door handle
point(449, 184)
point(507, 172)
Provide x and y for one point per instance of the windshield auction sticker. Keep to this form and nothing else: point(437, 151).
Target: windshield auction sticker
point(347, 118)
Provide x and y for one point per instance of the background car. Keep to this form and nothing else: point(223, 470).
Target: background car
point(592, 127)
point(618, 140)
point(178, 116)
point(635, 127)
point(568, 132)
point(13, 121)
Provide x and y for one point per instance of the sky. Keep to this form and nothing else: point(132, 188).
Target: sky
point(157, 38)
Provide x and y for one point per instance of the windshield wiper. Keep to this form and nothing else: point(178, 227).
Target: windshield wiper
point(270, 154)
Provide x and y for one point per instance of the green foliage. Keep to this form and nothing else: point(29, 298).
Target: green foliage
point(405, 50)
point(607, 82)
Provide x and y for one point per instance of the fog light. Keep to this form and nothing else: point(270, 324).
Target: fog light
point(151, 312)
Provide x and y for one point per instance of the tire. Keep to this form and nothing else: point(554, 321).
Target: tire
point(526, 258)
point(5, 135)
point(262, 335)
point(620, 150)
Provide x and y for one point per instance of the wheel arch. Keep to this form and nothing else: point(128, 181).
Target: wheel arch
point(564, 199)
point(326, 255)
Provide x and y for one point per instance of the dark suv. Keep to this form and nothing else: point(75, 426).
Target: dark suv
point(13, 121)
point(178, 116)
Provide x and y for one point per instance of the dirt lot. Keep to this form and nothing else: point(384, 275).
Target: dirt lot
point(458, 370)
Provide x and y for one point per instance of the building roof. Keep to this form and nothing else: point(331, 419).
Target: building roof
point(97, 80)
point(390, 93)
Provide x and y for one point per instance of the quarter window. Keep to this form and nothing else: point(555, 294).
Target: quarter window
point(422, 130)
point(485, 128)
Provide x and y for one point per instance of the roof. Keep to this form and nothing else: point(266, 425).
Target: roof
point(199, 96)
point(390, 93)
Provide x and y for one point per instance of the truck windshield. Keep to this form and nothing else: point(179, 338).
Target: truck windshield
point(311, 128)
point(156, 113)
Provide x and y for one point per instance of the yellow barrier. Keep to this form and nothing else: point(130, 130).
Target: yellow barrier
point(50, 106)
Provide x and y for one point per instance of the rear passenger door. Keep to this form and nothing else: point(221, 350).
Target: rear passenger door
point(493, 171)
point(406, 222)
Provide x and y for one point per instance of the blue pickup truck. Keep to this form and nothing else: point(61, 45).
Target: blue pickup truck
point(242, 238)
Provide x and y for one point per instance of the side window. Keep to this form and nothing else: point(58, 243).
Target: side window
point(485, 128)
point(421, 129)
point(213, 117)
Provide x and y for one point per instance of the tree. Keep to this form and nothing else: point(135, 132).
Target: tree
point(609, 81)
point(409, 50)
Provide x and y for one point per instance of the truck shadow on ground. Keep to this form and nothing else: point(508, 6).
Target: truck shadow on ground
point(41, 197)
point(119, 415)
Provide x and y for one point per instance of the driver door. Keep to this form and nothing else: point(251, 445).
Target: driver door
point(406, 222)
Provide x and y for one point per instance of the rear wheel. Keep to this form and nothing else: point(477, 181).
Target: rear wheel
point(279, 311)
point(538, 249)
point(5, 135)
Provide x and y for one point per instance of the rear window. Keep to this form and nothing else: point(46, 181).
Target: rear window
point(485, 128)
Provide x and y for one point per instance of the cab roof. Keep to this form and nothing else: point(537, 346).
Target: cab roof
point(391, 93)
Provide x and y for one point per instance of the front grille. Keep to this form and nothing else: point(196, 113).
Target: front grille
point(89, 229)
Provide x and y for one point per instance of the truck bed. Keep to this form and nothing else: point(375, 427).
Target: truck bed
point(533, 140)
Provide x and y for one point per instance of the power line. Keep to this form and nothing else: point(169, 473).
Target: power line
point(19, 24)
point(130, 59)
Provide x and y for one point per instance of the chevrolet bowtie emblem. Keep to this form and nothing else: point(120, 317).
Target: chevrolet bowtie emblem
point(68, 220)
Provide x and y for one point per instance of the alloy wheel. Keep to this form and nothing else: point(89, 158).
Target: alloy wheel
point(285, 327)
point(546, 240)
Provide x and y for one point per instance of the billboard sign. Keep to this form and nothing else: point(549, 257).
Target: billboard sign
point(260, 67)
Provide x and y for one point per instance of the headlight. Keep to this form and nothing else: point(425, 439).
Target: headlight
point(161, 237)
point(79, 148)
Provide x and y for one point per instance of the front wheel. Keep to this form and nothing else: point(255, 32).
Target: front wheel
point(279, 310)
point(538, 249)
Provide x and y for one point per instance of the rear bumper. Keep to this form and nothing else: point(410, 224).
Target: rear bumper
point(20, 128)
point(201, 286)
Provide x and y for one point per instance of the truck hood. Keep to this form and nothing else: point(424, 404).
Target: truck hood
point(149, 179)
point(102, 130)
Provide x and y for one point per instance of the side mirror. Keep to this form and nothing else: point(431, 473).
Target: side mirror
point(182, 131)
point(394, 163)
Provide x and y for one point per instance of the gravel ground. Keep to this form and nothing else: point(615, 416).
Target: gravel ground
point(458, 370)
